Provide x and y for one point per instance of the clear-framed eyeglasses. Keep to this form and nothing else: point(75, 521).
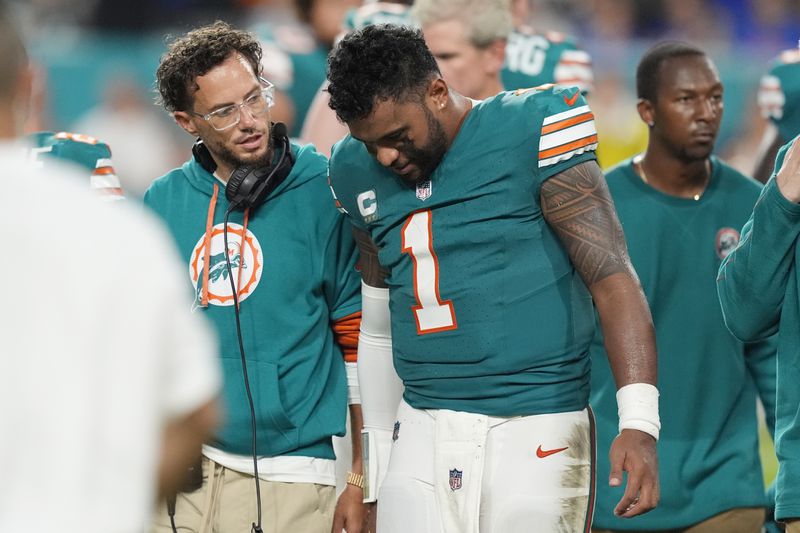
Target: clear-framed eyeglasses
point(229, 116)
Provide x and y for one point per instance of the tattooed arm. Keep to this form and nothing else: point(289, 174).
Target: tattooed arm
point(372, 272)
point(577, 206)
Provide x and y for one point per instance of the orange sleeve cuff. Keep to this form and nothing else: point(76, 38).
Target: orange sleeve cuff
point(345, 332)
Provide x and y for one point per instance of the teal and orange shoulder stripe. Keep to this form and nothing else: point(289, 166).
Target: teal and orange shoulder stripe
point(104, 180)
point(565, 134)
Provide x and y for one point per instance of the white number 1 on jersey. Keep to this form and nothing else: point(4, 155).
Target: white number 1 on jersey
point(431, 313)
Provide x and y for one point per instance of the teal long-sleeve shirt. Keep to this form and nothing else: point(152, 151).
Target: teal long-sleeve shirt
point(708, 450)
point(758, 289)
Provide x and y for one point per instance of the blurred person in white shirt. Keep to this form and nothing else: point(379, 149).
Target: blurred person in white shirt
point(107, 385)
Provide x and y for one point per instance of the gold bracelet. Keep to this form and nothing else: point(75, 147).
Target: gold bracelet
point(355, 479)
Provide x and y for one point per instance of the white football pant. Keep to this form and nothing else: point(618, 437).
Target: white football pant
point(457, 472)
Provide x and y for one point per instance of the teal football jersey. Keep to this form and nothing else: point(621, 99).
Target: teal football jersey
point(488, 313)
point(534, 59)
point(83, 150)
point(378, 13)
point(779, 94)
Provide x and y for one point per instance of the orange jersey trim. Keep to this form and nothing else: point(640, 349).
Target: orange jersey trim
point(104, 171)
point(345, 332)
point(564, 148)
point(563, 124)
point(584, 117)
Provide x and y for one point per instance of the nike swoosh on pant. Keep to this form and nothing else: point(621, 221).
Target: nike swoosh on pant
point(541, 454)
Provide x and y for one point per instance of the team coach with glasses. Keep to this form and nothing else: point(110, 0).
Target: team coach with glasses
point(291, 257)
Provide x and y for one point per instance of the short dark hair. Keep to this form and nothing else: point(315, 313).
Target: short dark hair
point(647, 73)
point(13, 57)
point(195, 54)
point(376, 63)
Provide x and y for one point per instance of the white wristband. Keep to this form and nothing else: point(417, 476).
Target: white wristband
point(638, 408)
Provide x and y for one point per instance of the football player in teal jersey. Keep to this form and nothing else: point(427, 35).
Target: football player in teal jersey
point(681, 210)
point(94, 417)
point(83, 150)
point(779, 100)
point(285, 306)
point(480, 53)
point(534, 58)
point(487, 234)
point(758, 289)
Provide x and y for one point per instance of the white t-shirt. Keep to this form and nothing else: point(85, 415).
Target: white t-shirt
point(98, 350)
point(298, 468)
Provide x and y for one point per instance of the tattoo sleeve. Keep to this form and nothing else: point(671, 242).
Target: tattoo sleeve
point(577, 205)
point(372, 272)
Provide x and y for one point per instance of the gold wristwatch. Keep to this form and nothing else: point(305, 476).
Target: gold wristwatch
point(355, 479)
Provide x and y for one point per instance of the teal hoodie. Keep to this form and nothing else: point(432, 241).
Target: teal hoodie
point(758, 289)
point(296, 273)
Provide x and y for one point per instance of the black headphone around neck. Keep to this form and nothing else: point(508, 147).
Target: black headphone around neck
point(249, 186)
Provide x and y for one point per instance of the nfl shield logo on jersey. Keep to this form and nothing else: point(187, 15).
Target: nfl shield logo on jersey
point(455, 479)
point(424, 190)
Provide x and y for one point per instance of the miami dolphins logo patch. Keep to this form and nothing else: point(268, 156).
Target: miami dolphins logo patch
point(727, 239)
point(246, 258)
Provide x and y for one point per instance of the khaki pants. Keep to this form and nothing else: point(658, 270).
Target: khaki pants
point(743, 520)
point(793, 526)
point(226, 504)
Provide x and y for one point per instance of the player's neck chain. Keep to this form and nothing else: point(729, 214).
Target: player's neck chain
point(638, 162)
